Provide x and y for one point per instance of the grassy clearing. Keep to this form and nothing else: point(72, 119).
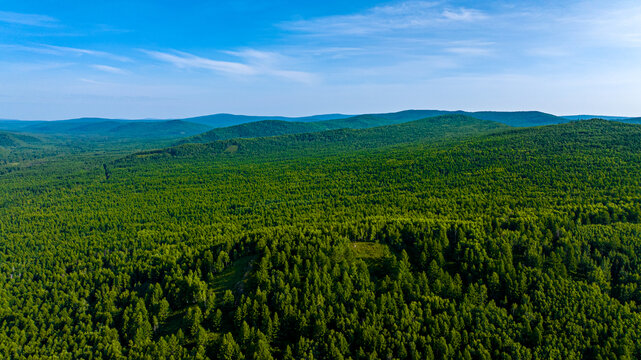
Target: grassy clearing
point(231, 149)
point(368, 250)
point(376, 256)
point(232, 276)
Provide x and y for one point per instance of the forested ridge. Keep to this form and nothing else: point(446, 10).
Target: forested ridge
point(449, 238)
point(433, 130)
point(229, 126)
point(280, 127)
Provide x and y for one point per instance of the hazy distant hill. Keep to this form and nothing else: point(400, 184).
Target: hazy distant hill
point(255, 129)
point(519, 118)
point(226, 126)
point(110, 128)
point(587, 117)
point(175, 128)
point(273, 127)
point(279, 127)
point(158, 129)
point(511, 118)
point(223, 120)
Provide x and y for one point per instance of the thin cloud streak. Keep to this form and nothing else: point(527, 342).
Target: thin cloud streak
point(62, 51)
point(255, 63)
point(270, 63)
point(109, 69)
point(186, 61)
point(619, 26)
point(469, 51)
point(25, 67)
point(403, 16)
point(27, 19)
point(463, 14)
point(96, 53)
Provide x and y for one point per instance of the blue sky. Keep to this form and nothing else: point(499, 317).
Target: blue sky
point(168, 59)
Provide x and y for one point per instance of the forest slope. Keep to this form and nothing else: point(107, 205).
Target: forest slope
point(8, 139)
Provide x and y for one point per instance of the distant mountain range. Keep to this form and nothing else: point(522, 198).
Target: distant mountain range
point(226, 126)
point(430, 129)
point(152, 129)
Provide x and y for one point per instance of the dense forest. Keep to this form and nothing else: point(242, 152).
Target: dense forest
point(450, 237)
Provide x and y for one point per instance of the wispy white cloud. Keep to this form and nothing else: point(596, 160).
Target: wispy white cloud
point(109, 69)
point(298, 76)
point(92, 81)
point(554, 29)
point(548, 52)
point(33, 49)
point(64, 51)
point(271, 63)
point(254, 63)
point(463, 14)
point(256, 55)
point(185, 60)
point(400, 16)
point(88, 52)
point(333, 50)
point(27, 19)
point(24, 67)
point(618, 25)
point(469, 51)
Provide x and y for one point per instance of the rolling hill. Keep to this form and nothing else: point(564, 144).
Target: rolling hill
point(518, 118)
point(175, 128)
point(278, 127)
point(157, 129)
point(216, 127)
point(186, 127)
point(255, 129)
point(511, 118)
point(225, 120)
point(424, 130)
point(275, 127)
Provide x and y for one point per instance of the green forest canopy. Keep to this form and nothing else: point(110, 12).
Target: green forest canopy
point(448, 238)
